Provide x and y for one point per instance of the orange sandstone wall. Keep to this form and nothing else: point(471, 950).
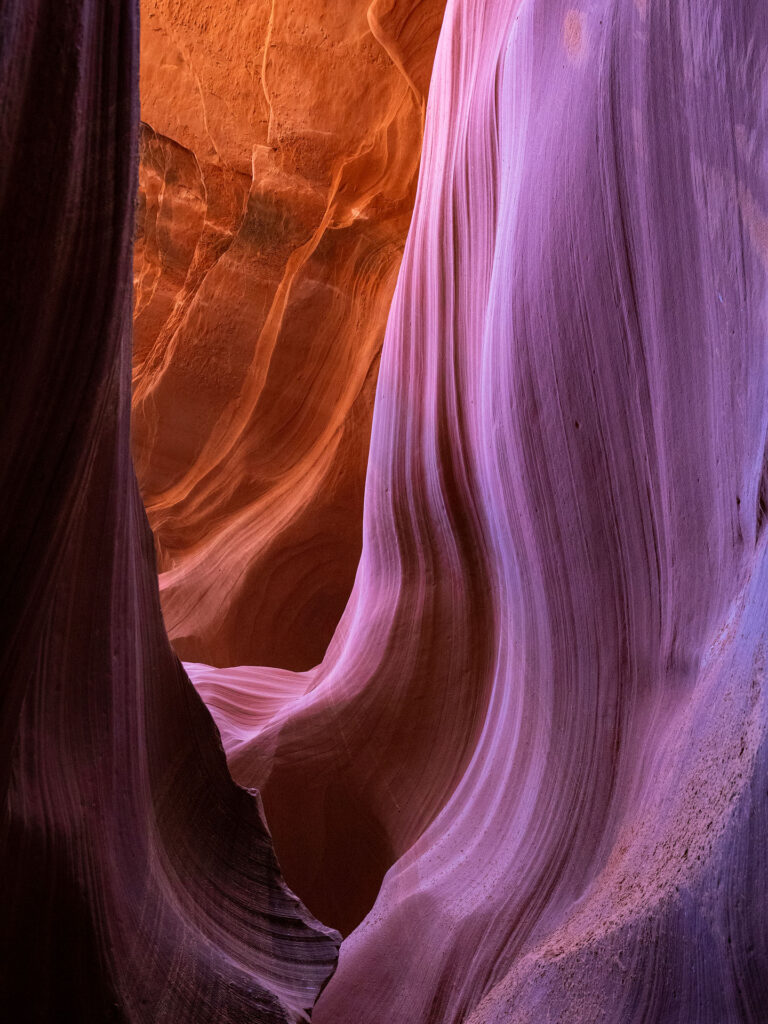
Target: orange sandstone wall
point(279, 157)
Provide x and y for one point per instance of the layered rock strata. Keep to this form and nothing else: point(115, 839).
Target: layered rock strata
point(543, 714)
point(529, 777)
point(278, 172)
point(137, 882)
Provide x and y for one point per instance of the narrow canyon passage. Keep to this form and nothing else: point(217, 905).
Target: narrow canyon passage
point(447, 399)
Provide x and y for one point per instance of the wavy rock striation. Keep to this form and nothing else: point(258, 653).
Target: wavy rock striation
point(137, 882)
point(543, 714)
point(278, 173)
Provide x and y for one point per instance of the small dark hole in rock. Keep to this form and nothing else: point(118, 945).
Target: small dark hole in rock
point(762, 494)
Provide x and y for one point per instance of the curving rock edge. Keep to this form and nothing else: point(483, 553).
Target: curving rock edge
point(536, 750)
point(529, 779)
point(138, 882)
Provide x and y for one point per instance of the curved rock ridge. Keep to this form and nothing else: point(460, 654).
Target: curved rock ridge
point(278, 171)
point(542, 719)
point(137, 882)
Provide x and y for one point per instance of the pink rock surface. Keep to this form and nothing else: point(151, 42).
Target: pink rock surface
point(543, 714)
point(529, 780)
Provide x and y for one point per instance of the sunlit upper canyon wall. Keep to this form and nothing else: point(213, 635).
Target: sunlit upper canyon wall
point(280, 147)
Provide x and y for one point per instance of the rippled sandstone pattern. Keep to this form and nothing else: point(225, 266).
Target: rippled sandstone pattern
point(137, 882)
point(279, 157)
point(543, 713)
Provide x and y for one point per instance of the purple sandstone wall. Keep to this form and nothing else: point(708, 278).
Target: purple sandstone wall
point(529, 781)
point(545, 708)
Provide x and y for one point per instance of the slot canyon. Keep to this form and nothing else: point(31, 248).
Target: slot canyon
point(385, 487)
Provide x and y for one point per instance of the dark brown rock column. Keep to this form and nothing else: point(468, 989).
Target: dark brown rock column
point(138, 882)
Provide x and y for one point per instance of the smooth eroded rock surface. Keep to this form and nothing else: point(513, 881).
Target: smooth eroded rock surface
point(279, 157)
point(544, 711)
point(529, 778)
point(137, 882)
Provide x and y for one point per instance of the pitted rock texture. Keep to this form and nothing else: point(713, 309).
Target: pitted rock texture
point(279, 159)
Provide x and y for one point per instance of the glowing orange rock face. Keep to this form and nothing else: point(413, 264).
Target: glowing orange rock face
point(279, 158)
